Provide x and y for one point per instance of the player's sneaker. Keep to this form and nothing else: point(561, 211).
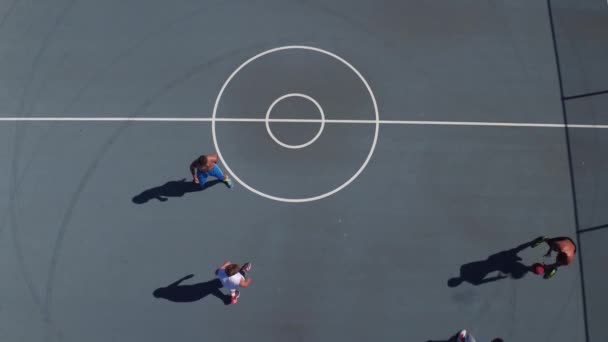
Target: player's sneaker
point(246, 267)
point(462, 335)
point(538, 241)
point(550, 273)
point(228, 182)
point(235, 297)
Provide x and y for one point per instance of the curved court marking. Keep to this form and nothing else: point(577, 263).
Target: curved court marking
point(305, 199)
point(382, 122)
point(267, 120)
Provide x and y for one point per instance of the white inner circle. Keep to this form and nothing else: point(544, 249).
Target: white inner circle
point(267, 120)
point(305, 199)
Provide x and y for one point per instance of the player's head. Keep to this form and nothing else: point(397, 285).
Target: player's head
point(158, 293)
point(232, 269)
point(202, 160)
point(453, 282)
point(497, 340)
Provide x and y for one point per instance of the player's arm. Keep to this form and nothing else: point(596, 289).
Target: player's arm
point(562, 259)
point(552, 248)
point(224, 265)
point(193, 170)
point(179, 281)
point(245, 282)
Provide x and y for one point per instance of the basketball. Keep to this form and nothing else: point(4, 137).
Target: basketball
point(538, 268)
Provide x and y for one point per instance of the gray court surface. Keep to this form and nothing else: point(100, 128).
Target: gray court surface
point(98, 219)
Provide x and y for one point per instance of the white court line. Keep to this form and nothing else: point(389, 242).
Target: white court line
point(290, 146)
point(384, 122)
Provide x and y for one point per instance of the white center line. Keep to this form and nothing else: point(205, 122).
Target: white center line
point(328, 121)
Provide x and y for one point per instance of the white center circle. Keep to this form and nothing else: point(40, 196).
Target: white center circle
point(376, 123)
point(267, 120)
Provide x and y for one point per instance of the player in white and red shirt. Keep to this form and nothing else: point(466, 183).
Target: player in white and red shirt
point(233, 277)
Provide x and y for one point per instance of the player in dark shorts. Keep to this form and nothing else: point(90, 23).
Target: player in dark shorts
point(205, 166)
point(565, 248)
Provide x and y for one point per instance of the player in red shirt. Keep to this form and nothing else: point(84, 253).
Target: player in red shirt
point(565, 248)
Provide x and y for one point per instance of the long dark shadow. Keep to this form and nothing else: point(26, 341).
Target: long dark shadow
point(176, 292)
point(172, 189)
point(570, 167)
point(578, 96)
point(506, 264)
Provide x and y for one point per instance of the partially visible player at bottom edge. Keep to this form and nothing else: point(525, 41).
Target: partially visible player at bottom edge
point(205, 166)
point(565, 248)
point(232, 278)
point(465, 336)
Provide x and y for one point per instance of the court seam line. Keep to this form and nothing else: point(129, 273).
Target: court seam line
point(577, 224)
point(329, 121)
point(580, 96)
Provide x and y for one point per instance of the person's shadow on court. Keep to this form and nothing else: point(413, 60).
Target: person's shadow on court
point(172, 189)
point(178, 293)
point(506, 263)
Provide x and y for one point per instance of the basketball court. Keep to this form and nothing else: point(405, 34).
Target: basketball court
point(376, 147)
